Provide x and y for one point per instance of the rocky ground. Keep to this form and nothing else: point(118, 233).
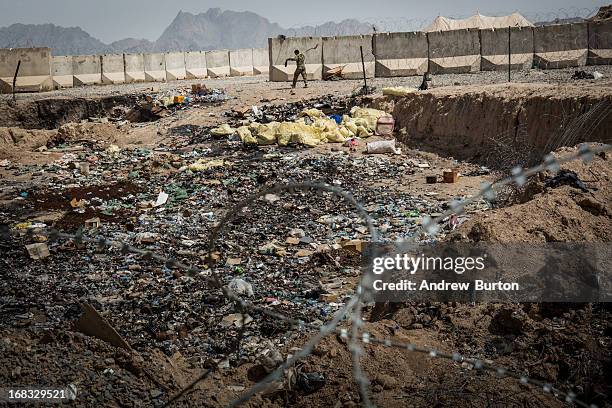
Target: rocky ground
point(296, 253)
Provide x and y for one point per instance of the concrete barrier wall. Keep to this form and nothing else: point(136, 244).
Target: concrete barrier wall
point(113, 69)
point(397, 54)
point(217, 63)
point(344, 52)
point(454, 52)
point(155, 67)
point(400, 54)
point(86, 70)
point(600, 43)
point(241, 62)
point(280, 49)
point(134, 68)
point(494, 48)
point(34, 71)
point(195, 65)
point(175, 66)
point(261, 61)
point(62, 72)
point(560, 46)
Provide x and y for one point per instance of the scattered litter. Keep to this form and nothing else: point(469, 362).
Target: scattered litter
point(584, 75)
point(162, 198)
point(566, 177)
point(385, 126)
point(236, 319)
point(241, 287)
point(38, 250)
point(206, 164)
point(450, 176)
point(92, 223)
point(383, 146)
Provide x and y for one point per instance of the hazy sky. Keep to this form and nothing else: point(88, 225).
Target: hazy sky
point(110, 20)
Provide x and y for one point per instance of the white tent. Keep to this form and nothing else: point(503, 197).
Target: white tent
point(478, 21)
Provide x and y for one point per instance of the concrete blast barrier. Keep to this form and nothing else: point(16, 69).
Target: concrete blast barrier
point(454, 52)
point(62, 72)
point(86, 69)
point(600, 43)
point(195, 65)
point(34, 71)
point(494, 48)
point(400, 54)
point(560, 46)
point(279, 49)
point(344, 52)
point(155, 67)
point(217, 63)
point(175, 66)
point(241, 62)
point(134, 68)
point(261, 61)
point(113, 69)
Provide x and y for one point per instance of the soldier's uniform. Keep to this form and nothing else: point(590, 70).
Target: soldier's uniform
point(300, 59)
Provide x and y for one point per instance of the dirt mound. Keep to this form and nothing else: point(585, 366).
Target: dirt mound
point(554, 214)
point(13, 141)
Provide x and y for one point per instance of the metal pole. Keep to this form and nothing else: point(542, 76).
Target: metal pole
point(15, 79)
point(509, 56)
point(364, 71)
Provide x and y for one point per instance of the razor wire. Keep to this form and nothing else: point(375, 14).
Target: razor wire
point(353, 305)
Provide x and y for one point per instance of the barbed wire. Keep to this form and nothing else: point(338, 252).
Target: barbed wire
point(353, 306)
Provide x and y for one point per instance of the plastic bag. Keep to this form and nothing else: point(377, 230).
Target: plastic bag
point(223, 130)
point(245, 135)
point(383, 146)
point(311, 113)
point(398, 91)
point(264, 134)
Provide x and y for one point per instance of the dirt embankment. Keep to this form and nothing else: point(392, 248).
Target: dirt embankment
point(503, 122)
point(52, 113)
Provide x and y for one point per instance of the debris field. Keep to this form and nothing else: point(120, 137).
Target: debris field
point(161, 170)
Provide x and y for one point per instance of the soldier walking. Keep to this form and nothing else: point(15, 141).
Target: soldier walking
point(300, 69)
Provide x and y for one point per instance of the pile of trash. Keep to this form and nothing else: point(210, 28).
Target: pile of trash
point(156, 106)
point(311, 128)
point(587, 75)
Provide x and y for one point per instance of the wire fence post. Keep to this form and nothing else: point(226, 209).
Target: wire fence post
point(365, 81)
point(15, 79)
point(509, 56)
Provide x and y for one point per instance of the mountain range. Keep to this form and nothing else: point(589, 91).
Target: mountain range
point(187, 32)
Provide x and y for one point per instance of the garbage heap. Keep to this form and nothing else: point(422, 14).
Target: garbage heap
point(311, 128)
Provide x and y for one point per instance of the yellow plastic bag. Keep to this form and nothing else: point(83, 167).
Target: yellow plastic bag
point(311, 113)
point(398, 91)
point(223, 130)
point(305, 139)
point(245, 135)
point(367, 117)
point(206, 164)
point(297, 132)
point(264, 134)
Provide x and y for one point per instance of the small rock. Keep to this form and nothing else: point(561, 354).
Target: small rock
point(386, 381)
